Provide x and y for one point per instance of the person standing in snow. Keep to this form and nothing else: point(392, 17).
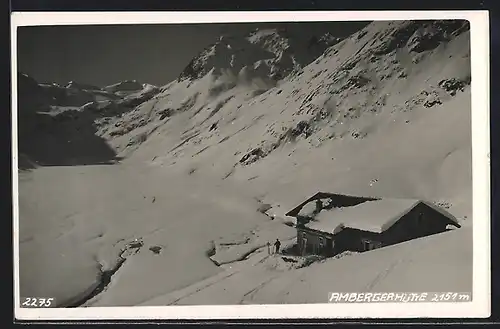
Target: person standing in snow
point(277, 245)
point(268, 247)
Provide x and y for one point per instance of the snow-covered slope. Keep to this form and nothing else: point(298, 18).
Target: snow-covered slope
point(124, 88)
point(384, 112)
point(386, 80)
point(81, 86)
point(423, 265)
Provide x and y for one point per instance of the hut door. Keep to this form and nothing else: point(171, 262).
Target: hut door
point(329, 245)
point(321, 245)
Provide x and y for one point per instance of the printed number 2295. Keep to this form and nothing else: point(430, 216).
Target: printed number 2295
point(37, 302)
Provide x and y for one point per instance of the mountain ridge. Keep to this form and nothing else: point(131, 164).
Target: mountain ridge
point(345, 92)
point(275, 49)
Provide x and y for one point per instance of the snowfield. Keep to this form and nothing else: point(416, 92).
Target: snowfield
point(194, 177)
point(425, 263)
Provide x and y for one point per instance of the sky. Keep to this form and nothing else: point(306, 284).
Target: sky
point(106, 54)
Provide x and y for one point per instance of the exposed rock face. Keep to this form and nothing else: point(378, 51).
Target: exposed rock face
point(60, 125)
point(271, 53)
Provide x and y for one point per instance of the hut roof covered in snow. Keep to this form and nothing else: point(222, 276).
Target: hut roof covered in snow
point(334, 199)
point(373, 216)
